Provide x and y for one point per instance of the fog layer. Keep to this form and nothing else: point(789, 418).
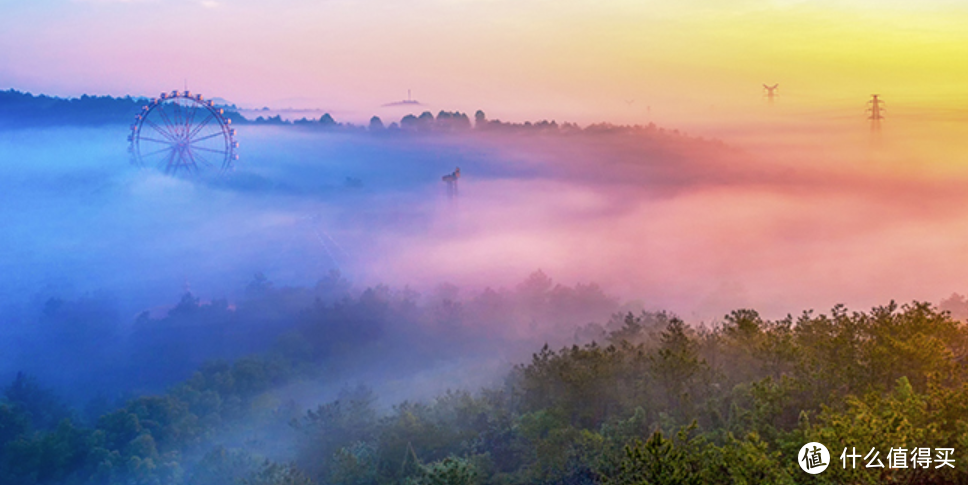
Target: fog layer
point(788, 215)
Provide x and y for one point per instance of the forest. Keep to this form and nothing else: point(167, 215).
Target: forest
point(639, 397)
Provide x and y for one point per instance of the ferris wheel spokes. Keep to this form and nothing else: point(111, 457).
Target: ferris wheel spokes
point(183, 139)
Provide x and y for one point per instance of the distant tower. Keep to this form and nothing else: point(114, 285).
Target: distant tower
point(876, 113)
point(770, 92)
point(451, 181)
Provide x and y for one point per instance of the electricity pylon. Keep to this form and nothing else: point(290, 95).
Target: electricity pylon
point(876, 110)
point(770, 92)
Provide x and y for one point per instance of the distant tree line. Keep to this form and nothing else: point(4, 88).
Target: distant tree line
point(24, 110)
point(458, 122)
point(18, 109)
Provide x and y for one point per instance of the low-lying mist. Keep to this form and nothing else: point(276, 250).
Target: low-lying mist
point(778, 220)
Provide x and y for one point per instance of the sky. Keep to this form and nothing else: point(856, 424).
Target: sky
point(690, 62)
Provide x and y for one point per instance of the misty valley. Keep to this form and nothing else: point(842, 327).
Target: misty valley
point(572, 305)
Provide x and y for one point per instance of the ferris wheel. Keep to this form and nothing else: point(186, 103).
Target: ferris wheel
point(182, 133)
